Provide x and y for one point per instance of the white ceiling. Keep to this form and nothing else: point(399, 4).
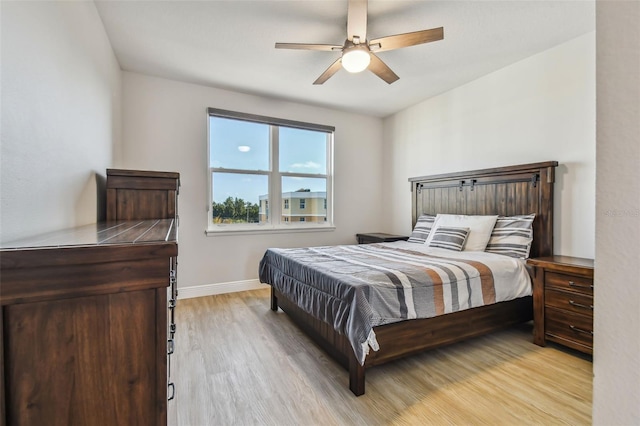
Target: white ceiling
point(230, 44)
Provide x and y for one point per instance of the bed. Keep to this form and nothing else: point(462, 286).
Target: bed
point(293, 273)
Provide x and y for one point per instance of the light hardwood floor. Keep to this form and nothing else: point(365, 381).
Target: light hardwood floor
point(239, 363)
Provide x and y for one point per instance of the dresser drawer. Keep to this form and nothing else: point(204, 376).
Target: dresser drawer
point(569, 282)
point(569, 327)
point(574, 302)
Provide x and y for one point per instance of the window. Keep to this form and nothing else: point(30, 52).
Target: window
point(258, 162)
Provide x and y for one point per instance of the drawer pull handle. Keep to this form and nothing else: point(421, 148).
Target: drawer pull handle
point(580, 305)
point(572, 284)
point(579, 330)
point(172, 394)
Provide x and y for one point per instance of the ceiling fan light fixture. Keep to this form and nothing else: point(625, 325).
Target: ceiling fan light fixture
point(360, 53)
point(356, 59)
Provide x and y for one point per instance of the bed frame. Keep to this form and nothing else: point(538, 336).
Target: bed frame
point(507, 191)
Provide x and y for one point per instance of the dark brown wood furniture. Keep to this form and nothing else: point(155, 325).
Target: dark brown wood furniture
point(147, 194)
point(379, 237)
point(87, 313)
point(83, 336)
point(141, 194)
point(512, 190)
point(563, 301)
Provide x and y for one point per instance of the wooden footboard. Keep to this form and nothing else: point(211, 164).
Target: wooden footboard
point(406, 337)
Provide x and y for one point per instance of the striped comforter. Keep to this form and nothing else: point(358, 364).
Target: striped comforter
point(358, 287)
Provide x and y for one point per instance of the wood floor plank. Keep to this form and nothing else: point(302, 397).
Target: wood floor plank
point(239, 363)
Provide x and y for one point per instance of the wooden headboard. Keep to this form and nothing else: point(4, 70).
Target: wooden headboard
point(506, 191)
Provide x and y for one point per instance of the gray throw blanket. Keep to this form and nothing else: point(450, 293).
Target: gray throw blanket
point(355, 288)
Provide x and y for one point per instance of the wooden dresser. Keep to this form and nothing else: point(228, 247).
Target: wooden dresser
point(84, 325)
point(146, 194)
point(87, 313)
point(563, 301)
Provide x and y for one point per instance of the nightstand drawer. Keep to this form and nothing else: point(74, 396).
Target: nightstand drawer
point(569, 282)
point(569, 327)
point(569, 301)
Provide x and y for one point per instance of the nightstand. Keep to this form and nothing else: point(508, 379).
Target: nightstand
point(563, 301)
point(379, 237)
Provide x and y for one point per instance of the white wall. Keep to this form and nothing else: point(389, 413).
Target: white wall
point(616, 384)
point(60, 115)
point(541, 108)
point(165, 128)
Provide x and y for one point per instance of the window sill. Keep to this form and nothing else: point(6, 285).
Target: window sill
point(266, 230)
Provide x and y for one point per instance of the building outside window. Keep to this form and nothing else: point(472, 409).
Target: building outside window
point(310, 206)
point(258, 162)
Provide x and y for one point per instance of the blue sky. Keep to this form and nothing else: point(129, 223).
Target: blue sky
point(244, 145)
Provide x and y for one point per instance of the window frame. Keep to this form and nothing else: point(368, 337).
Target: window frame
point(275, 222)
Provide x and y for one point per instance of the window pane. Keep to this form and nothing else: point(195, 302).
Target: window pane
point(304, 199)
point(303, 151)
point(239, 198)
point(237, 144)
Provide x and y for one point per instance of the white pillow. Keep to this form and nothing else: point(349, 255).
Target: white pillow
point(480, 228)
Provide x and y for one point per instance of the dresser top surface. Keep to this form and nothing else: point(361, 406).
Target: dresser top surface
point(559, 260)
point(101, 234)
point(142, 173)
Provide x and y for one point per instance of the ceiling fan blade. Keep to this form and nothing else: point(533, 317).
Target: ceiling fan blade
point(357, 20)
point(304, 46)
point(408, 39)
point(381, 69)
point(329, 72)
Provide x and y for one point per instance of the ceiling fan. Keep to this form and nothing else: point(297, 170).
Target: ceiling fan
point(358, 52)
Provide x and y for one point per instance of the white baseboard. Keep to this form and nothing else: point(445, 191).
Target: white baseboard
point(219, 288)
